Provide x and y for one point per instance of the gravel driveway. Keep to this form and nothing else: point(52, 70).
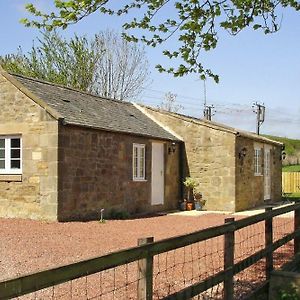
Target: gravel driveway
point(27, 246)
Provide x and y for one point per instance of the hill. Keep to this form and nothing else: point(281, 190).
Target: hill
point(292, 149)
point(292, 146)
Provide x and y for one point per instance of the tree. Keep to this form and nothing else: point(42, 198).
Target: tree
point(194, 23)
point(106, 65)
point(123, 69)
point(56, 60)
point(169, 103)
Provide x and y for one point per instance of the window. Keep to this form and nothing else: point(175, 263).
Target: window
point(257, 161)
point(138, 162)
point(10, 155)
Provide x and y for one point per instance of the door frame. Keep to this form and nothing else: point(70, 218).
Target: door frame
point(162, 171)
point(267, 172)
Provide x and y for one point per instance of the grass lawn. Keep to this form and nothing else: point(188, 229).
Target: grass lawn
point(292, 196)
point(293, 168)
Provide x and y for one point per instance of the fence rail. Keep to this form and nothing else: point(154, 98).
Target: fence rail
point(291, 182)
point(147, 250)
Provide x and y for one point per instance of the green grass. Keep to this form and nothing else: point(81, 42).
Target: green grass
point(292, 146)
point(293, 168)
point(292, 196)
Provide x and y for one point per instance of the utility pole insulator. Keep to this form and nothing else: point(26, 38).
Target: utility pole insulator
point(260, 111)
point(208, 109)
point(208, 112)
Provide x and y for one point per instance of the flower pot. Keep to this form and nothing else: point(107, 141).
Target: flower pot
point(202, 203)
point(189, 206)
point(198, 206)
point(183, 205)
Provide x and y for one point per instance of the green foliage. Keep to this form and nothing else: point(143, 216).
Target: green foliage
point(289, 293)
point(115, 214)
point(292, 168)
point(194, 23)
point(105, 65)
point(71, 63)
point(190, 183)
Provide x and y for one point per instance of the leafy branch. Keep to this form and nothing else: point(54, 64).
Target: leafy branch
point(196, 24)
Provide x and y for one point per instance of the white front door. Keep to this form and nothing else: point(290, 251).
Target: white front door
point(267, 174)
point(158, 174)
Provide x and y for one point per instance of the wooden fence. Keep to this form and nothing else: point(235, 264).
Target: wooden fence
point(291, 182)
point(147, 249)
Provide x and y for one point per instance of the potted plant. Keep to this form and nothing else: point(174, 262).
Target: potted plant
point(183, 205)
point(199, 201)
point(190, 184)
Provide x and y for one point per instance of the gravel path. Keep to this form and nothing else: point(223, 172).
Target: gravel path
point(27, 246)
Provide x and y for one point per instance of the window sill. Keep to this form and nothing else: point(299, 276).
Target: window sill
point(10, 177)
point(140, 180)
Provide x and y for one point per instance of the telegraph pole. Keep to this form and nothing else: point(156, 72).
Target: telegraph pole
point(208, 112)
point(260, 111)
point(208, 109)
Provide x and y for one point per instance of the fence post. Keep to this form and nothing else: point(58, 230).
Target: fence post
point(145, 273)
point(297, 227)
point(268, 243)
point(228, 262)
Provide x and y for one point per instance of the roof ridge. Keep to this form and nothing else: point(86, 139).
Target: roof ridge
point(214, 125)
point(69, 88)
point(207, 123)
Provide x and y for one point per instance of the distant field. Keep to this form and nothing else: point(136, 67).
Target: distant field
point(292, 146)
point(294, 168)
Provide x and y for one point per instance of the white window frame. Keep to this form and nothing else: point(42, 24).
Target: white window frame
point(258, 159)
point(7, 155)
point(141, 171)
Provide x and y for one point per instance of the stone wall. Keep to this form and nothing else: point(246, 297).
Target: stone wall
point(95, 171)
point(250, 187)
point(34, 193)
point(210, 154)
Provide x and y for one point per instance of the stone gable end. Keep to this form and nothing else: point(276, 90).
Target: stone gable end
point(209, 157)
point(33, 194)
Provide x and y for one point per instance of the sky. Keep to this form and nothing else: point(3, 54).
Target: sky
point(252, 67)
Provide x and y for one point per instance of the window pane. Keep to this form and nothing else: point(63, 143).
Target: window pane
point(2, 153)
point(15, 153)
point(139, 162)
point(15, 143)
point(142, 163)
point(136, 167)
point(15, 164)
point(2, 164)
point(2, 143)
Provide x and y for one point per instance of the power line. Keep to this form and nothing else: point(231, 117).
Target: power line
point(164, 92)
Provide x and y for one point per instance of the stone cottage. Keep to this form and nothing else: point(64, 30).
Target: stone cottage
point(235, 170)
point(65, 154)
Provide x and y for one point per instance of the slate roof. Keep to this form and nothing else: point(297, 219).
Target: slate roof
point(83, 109)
